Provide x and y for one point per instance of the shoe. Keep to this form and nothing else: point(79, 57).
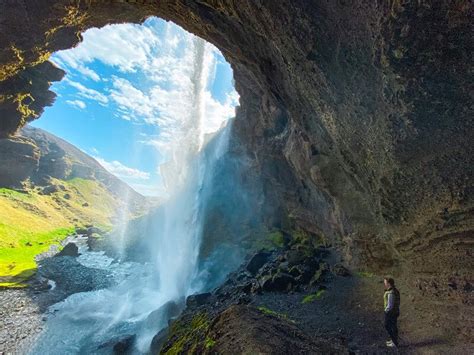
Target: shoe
point(389, 341)
point(391, 344)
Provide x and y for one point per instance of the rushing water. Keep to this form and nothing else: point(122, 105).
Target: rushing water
point(84, 321)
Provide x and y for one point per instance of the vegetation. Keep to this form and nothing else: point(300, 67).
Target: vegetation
point(268, 240)
point(209, 343)
point(30, 222)
point(313, 297)
point(189, 336)
point(273, 313)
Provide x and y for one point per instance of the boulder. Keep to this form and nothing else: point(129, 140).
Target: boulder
point(70, 249)
point(266, 283)
point(197, 299)
point(295, 257)
point(48, 190)
point(257, 261)
point(124, 345)
point(280, 282)
point(302, 273)
point(119, 345)
point(340, 270)
point(283, 282)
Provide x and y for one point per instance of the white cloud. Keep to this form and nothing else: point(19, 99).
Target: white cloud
point(88, 73)
point(169, 88)
point(77, 104)
point(125, 46)
point(87, 93)
point(124, 172)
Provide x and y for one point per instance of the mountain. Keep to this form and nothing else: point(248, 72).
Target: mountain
point(48, 188)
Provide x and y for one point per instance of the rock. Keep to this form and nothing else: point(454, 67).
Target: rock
point(48, 190)
point(295, 257)
point(304, 273)
point(67, 196)
point(70, 249)
point(71, 276)
point(278, 283)
point(340, 270)
point(166, 312)
point(317, 278)
point(119, 345)
point(124, 345)
point(295, 271)
point(283, 282)
point(158, 340)
point(266, 283)
point(94, 230)
point(19, 159)
point(197, 299)
point(81, 231)
point(257, 261)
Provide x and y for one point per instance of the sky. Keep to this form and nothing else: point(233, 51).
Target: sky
point(127, 95)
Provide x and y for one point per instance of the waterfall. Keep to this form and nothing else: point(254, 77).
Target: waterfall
point(84, 321)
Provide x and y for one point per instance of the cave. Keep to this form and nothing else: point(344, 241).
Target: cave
point(357, 116)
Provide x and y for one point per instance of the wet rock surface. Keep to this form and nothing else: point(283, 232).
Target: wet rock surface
point(338, 312)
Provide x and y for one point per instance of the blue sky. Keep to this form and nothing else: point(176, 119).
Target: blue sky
point(127, 97)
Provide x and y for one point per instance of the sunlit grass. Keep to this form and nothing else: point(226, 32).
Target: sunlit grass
point(31, 222)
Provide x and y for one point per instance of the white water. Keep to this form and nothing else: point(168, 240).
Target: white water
point(84, 321)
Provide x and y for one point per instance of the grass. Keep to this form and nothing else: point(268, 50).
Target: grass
point(31, 222)
point(313, 297)
point(268, 311)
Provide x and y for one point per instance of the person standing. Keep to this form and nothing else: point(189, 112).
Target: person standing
point(391, 302)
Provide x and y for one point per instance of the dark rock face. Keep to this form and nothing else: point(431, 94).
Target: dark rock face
point(198, 299)
point(19, 159)
point(257, 261)
point(356, 115)
point(243, 329)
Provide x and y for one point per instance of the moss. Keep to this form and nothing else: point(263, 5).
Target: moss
point(12, 68)
point(268, 311)
point(209, 343)
point(313, 297)
point(268, 240)
point(190, 336)
point(24, 107)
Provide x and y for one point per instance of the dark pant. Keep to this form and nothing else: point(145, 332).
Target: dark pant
point(391, 326)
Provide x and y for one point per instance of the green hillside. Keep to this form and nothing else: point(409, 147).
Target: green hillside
point(48, 187)
point(31, 221)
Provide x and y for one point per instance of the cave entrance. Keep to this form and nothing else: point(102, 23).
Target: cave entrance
point(133, 93)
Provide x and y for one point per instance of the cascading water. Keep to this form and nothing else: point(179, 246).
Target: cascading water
point(85, 321)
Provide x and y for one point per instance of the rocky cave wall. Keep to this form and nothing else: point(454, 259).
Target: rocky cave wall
point(357, 115)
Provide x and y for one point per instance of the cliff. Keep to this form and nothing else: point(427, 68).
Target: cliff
point(356, 114)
